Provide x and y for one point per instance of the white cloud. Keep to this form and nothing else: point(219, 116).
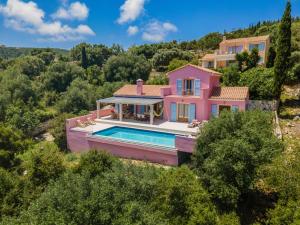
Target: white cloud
point(75, 11)
point(156, 31)
point(131, 10)
point(28, 17)
point(27, 12)
point(132, 30)
point(169, 27)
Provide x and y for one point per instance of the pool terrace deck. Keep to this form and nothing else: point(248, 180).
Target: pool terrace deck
point(80, 139)
point(159, 125)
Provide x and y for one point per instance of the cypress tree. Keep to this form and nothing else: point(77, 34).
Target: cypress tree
point(84, 62)
point(271, 57)
point(283, 50)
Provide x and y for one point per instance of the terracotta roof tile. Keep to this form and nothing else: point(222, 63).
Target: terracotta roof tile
point(215, 73)
point(148, 90)
point(246, 39)
point(230, 93)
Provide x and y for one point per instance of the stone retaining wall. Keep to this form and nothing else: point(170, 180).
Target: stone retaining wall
point(264, 105)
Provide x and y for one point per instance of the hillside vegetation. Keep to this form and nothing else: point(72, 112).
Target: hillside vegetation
point(240, 172)
point(14, 52)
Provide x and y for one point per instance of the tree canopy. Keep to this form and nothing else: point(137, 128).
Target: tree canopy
point(230, 149)
point(127, 68)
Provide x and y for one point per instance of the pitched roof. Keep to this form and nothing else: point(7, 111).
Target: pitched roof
point(246, 39)
point(229, 93)
point(215, 73)
point(148, 90)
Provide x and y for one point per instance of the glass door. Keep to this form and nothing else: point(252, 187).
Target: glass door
point(183, 112)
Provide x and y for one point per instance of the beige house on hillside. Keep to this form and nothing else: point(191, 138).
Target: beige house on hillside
point(228, 49)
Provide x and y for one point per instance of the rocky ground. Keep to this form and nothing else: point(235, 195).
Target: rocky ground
point(289, 116)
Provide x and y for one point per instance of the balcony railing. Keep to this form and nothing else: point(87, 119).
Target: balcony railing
point(188, 92)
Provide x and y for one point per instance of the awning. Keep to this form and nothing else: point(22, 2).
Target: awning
point(130, 101)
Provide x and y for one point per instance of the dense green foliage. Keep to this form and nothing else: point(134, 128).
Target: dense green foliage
point(247, 61)
point(283, 51)
point(93, 54)
point(176, 63)
point(230, 149)
point(13, 52)
point(11, 142)
point(260, 82)
point(127, 67)
point(283, 176)
point(60, 75)
point(231, 75)
point(163, 57)
point(41, 183)
point(158, 79)
point(102, 190)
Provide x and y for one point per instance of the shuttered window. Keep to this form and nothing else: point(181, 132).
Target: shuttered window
point(214, 110)
point(197, 87)
point(234, 108)
point(179, 86)
point(173, 112)
point(192, 112)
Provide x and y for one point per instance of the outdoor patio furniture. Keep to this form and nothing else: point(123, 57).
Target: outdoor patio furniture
point(90, 121)
point(114, 115)
point(194, 123)
point(81, 124)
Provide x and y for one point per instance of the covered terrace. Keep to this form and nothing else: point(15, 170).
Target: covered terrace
point(133, 104)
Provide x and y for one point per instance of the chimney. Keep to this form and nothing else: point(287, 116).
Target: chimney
point(224, 38)
point(139, 87)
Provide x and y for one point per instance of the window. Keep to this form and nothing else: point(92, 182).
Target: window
point(234, 108)
point(214, 110)
point(260, 46)
point(210, 64)
point(179, 86)
point(183, 112)
point(235, 49)
point(188, 87)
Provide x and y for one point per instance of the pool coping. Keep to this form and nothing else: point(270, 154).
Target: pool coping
point(144, 146)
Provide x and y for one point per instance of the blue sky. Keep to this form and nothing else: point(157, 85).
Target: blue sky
point(64, 23)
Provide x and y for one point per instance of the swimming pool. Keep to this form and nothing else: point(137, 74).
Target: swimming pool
point(138, 135)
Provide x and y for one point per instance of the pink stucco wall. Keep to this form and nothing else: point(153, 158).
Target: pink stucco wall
point(132, 151)
point(165, 91)
point(189, 72)
point(185, 144)
point(203, 104)
point(77, 141)
point(70, 123)
point(241, 104)
point(82, 142)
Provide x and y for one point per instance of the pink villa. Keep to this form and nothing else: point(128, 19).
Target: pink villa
point(157, 123)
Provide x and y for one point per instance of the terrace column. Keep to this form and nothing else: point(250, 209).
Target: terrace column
point(151, 114)
point(120, 112)
point(98, 110)
point(215, 64)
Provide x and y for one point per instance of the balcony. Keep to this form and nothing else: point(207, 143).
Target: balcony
point(188, 92)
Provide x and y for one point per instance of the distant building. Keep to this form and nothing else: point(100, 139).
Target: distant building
point(229, 48)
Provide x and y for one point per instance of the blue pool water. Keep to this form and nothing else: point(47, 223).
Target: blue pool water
point(138, 135)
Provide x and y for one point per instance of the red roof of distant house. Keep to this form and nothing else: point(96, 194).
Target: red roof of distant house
point(229, 93)
point(148, 90)
point(246, 39)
